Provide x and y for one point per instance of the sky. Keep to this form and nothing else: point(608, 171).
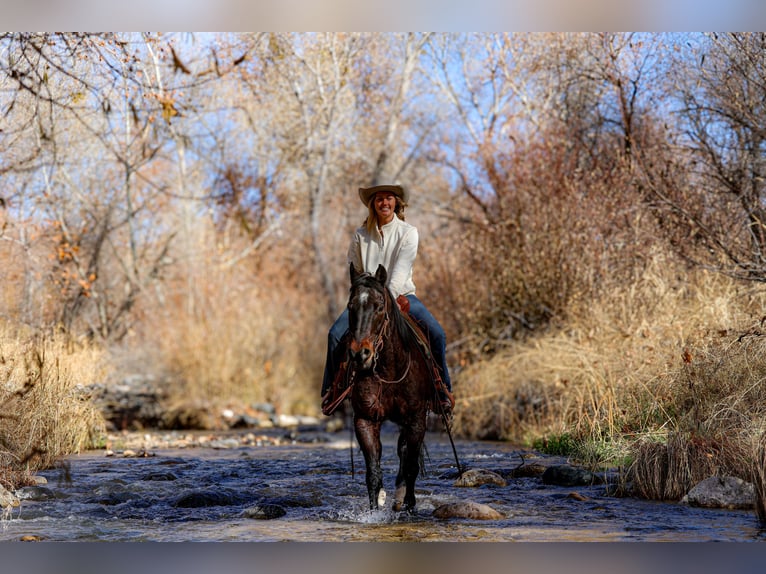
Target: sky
point(382, 15)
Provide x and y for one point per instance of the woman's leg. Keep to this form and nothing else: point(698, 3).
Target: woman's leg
point(332, 362)
point(436, 336)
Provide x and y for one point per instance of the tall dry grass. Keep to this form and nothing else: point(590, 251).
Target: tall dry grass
point(234, 335)
point(45, 409)
point(662, 357)
point(715, 400)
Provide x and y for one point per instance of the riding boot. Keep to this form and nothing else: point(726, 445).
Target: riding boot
point(339, 384)
point(446, 400)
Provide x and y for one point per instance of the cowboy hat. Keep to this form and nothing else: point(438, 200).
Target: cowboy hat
point(367, 193)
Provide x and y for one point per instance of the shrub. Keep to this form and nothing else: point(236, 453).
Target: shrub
point(46, 413)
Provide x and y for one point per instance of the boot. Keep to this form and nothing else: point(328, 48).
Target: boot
point(331, 395)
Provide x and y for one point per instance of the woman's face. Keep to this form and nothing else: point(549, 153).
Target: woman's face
point(384, 203)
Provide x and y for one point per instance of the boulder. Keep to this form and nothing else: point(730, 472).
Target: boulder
point(477, 477)
point(467, 509)
point(264, 512)
point(727, 492)
point(567, 475)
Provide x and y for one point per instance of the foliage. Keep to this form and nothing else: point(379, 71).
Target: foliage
point(563, 444)
point(184, 202)
point(45, 406)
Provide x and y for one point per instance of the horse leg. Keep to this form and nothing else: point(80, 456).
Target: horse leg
point(368, 435)
point(408, 448)
point(400, 491)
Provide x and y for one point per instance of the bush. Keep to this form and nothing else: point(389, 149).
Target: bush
point(46, 412)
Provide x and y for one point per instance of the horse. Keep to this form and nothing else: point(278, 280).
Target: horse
point(391, 380)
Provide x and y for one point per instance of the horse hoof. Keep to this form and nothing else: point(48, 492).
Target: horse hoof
point(381, 498)
point(401, 507)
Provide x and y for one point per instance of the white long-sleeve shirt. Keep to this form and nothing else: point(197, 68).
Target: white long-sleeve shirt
point(395, 247)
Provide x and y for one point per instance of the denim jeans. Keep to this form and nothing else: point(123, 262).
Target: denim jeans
point(422, 316)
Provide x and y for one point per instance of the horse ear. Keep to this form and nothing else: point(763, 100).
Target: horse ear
point(352, 272)
point(380, 274)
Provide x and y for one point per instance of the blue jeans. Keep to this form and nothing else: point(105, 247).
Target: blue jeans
point(425, 320)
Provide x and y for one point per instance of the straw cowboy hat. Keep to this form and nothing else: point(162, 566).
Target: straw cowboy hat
point(367, 193)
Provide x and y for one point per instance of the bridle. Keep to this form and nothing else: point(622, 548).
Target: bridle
point(379, 339)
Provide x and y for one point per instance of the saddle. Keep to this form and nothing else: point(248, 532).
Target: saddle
point(442, 400)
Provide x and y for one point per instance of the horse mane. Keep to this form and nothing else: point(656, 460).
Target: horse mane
point(401, 325)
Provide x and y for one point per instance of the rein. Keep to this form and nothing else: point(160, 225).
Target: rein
point(379, 344)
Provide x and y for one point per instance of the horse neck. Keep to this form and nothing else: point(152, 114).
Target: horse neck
point(393, 342)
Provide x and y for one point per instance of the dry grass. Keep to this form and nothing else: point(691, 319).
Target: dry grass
point(672, 365)
point(46, 414)
point(667, 469)
point(759, 476)
point(238, 335)
point(715, 402)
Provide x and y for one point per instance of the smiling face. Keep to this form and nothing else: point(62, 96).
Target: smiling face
point(384, 203)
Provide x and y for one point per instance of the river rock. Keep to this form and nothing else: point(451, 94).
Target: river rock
point(8, 499)
point(205, 498)
point(35, 493)
point(477, 477)
point(264, 512)
point(727, 492)
point(533, 470)
point(467, 509)
point(567, 475)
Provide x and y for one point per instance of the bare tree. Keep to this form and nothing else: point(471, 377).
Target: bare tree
point(335, 108)
point(723, 87)
point(99, 125)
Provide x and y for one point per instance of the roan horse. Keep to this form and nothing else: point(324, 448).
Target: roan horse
point(391, 380)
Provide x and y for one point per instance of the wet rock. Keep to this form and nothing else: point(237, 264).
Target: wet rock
point(467, 509)
point(159, 477)
point(722, 492)
point(477, 477)
point(577, 496)
point(264, 512)
point(529, 471)
point(205, 498)
point(8, 499)
point(35, 493)
point(566, 475)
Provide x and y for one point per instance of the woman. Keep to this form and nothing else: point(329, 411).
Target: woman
point(387, 239)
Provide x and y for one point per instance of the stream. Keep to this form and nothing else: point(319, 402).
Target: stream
point(302, 490)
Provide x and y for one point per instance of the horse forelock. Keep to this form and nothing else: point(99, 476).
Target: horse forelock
point(367, 280)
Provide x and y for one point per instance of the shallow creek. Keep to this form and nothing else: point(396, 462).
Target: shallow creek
point(208, 493)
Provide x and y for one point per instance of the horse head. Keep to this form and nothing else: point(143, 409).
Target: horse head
point(367, 315)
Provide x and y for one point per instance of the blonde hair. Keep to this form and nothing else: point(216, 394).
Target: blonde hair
point(371, 222)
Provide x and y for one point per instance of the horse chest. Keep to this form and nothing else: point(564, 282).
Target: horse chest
point(376, 400)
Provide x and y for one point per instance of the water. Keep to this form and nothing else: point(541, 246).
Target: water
point(203, 494)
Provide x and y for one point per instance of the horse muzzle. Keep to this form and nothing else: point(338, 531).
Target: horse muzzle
point(362, 353)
